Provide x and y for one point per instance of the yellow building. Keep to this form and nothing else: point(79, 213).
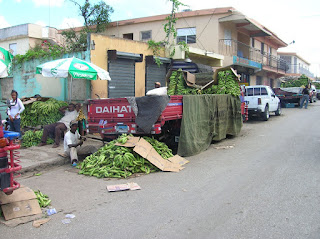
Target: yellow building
point(126, 62)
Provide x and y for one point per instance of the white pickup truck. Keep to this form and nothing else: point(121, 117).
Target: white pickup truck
point(261, 100)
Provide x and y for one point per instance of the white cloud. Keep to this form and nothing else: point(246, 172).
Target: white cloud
point(16, 0)
point(52, 3)
point(69, 23)
point(3, 22)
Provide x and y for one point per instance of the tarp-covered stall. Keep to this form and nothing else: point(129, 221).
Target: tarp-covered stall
point(207, 118)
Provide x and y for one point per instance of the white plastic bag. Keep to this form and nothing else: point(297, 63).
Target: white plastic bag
point(158, 91)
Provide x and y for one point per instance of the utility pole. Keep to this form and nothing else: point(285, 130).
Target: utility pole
point(170, 26)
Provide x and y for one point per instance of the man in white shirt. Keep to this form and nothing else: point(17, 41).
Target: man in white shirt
point(73, 144)
point(60, 126)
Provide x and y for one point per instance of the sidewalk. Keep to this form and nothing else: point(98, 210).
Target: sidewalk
point(38, 158)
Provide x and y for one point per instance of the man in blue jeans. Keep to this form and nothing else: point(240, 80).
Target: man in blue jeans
point(305, 97)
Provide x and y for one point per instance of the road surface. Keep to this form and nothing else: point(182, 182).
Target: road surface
point(266, 185)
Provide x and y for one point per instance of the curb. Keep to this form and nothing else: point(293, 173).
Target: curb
point(58, 161)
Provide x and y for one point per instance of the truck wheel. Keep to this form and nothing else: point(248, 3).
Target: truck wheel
point(266, 114)
point(278, 111)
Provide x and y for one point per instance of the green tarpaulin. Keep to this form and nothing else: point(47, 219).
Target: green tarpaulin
point(207, 118)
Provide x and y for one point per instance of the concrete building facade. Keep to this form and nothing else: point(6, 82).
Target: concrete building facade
point(19, 39)
point(297, 65)
point(232, 38)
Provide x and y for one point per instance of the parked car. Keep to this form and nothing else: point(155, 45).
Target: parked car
point(312, 94)
point(318, 94)
point(261, 100)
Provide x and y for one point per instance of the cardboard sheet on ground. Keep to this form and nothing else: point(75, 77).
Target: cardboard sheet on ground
point(21, 203)
point(123, 187)
point(131, 142)
point(21, 220)
point(21, 194)
point(178, 160)
point(146, 150)
point(38, 223)
point(21, 209)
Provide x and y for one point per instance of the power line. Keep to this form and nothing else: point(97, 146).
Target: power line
point(198, 40)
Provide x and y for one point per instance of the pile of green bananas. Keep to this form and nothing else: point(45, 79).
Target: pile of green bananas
point(43, 199)
point(227, 84)
point(301, 81)
point(112, 161)
point(122, 139)
point(160, 147)
point(178, 86)
point(33, 138)
point(42, 113)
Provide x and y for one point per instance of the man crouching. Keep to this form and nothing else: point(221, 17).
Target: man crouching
point(72, 144)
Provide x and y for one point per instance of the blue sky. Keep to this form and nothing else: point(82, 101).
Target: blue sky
point(289, 19)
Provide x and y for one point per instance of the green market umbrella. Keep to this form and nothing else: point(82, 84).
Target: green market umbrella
point(78, 69)
point(5, 62)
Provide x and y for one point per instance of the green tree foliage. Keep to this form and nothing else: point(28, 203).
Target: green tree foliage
point(171, 34)
point(96, 18)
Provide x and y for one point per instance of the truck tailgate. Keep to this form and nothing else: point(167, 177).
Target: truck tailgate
point(115, 116)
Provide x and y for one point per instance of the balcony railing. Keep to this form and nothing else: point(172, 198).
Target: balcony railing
point(230, 47)
point(298, 69)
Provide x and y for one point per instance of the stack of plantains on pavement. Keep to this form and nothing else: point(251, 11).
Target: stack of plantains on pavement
point(227, 83)
point(33, 138)
point(41, 113)
point(113, 161)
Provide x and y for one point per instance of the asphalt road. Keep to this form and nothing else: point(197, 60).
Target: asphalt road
point(266, 186)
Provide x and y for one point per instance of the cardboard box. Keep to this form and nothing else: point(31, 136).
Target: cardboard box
point(145, 150)
point(21, 203)
point(189, 78)
point(21, 194)
point(21, 209)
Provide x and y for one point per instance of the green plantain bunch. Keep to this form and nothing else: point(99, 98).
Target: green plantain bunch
point(42, 113)
point(113, 161)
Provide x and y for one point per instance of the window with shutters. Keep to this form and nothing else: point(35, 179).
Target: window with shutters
point(186, 34)
point(145, 35)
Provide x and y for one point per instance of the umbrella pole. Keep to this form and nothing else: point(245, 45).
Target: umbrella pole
point(70, 91)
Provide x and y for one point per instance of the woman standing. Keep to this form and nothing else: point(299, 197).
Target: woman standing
point(14, 111)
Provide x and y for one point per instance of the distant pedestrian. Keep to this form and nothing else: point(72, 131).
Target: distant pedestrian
point(15, 109)
point(157, 84)
point(305, 97)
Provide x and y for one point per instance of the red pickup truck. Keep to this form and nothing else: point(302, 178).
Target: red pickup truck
point(111, 117)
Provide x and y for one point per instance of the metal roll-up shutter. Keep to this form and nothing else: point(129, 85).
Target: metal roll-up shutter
point(122, 73)
point(155, 73)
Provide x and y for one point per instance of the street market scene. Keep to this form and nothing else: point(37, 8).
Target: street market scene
point(181, 122)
